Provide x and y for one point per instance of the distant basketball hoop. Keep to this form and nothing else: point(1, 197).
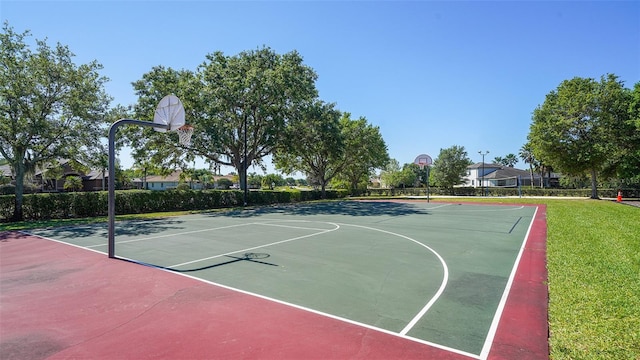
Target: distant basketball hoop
point(423, 160)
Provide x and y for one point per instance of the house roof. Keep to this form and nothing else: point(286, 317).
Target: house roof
point(173, 177)
point(96, 175)
point(507, 172)
point(64, 164)
point(486, 166)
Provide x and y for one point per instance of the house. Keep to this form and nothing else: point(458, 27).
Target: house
point(160, 182)
point(52, 181)
point(496, 175)
point(5, 171)
point(171, 181)
point(43, 179)
point(95, 180)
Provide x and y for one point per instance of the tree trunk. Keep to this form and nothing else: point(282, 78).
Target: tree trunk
point(17, 209)
point(594, 185)
point(531, 174)
point(241, 177)
point(323, 193)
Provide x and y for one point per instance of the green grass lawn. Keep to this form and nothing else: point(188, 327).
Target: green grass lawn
point(593, 254)
point(593, 259)
point(594, 280)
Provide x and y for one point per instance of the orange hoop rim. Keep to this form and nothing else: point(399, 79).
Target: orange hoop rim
point(184, 134)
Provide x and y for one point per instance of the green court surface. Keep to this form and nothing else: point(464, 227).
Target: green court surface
point(436, 273)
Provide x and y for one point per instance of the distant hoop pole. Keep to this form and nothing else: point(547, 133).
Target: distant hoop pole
point(423, 160)
point(112, 175)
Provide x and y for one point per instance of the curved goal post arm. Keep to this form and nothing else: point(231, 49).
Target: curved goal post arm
point(112, 174)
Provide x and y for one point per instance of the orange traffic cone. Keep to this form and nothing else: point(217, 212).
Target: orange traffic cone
point(619, 196)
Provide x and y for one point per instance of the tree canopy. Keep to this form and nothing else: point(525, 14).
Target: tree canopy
point(365, 151)
point(51, 108)
point(577, 128)
point(314, 144)
point(394, 176)
point(510, 160)
point(450, 167)
point(231, 101)
point(327, 145)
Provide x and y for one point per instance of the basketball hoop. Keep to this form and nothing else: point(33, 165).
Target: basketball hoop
point(184, 134)
point(423, 160)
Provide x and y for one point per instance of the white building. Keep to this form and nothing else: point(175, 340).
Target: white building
point(496, 175)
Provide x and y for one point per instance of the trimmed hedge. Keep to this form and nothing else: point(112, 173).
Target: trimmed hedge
point(43, 206)
point(91, 204)
point(492, 191)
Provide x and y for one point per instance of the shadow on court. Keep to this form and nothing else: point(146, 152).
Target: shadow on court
point(346, 208)
point(97, 308)
point(123, 228)
point(250, 257)
point(49, 285)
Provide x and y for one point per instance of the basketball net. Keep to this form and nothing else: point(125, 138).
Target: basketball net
point(184, 134)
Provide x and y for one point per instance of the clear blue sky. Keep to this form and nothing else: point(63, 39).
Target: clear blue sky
point(430, 74)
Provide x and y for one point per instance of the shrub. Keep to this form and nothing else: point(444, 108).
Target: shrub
point(7, 189)
point(91, 204)
point(224, 183)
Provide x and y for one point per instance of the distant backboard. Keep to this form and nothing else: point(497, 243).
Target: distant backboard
point(423, 160)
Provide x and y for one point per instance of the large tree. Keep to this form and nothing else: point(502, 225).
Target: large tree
point(450, 167)
point(162, 149)
point(574, 130)
point(365, 151)
point(50, 108)
point(629, 166)
point(390, 174)
point(250, 98)
point(624, 161)
point(314, 145)
point(231, 101)
point(394, 176)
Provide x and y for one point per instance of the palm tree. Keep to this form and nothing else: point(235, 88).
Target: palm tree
point(510, 160)
point(73, 183)
point(526, 155)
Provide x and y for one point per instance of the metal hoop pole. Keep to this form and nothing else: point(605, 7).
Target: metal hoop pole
point(112, 175)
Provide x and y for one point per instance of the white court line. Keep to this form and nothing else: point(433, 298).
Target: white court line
point(438, 207)
point(331, 316)
point(61, 242)
point(507, 208)
point(288, 226)
point(402, 334)
point(496, 319)
point(411, 323)
point(175, 234)
point(443, 284)
point(259, 246)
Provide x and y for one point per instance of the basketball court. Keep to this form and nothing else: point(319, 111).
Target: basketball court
point(378, 279)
